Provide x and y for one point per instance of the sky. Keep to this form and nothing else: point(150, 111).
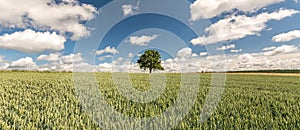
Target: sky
point(110, 35)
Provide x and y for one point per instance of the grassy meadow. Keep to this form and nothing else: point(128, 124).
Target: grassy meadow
point(33, 100)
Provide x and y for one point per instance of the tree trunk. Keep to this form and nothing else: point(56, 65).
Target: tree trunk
point(150, 71)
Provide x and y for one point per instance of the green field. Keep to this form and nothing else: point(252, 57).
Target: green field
point(32, 100)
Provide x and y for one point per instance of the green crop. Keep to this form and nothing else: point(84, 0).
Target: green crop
point(32, 100)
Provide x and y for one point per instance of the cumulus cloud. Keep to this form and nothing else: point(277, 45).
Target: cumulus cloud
point(286, 59)
point(105, 67)
point(184, 52)
point(3, 64)
point(72, 58)
point(283, 57)
point(194, 55)
point(59, 62)
point(223, 48)
point(51, 57)
point(190, 64)
point(269, 48)
point(129, 9)
point(142, 40)
point(26, 62)
point(105, 57)
point(285, 37)
point(210, 8)
point(32, 42)
point(73, 67)
point(282, 50)
point(119, 66)
point(234, 62)
point(203, 54)
point(237, 27)
point(58, 57)
point(262, 62)
point(108, 49)
point(64, 17)
point(130, 55)
point(236, 51)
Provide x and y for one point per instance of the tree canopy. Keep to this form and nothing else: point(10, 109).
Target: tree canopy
point(150, 60)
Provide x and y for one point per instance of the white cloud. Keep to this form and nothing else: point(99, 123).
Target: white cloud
point(120, 59)
point(237, 27)
point(203, 54)
point(74, 67)
point(129, 9)
point(234, 62)
point(26, 62)
point(236, 51)
point(142, 40)
point(210, 8)
point(4, 66)
point(130, 55)
point(269, 48)
point(108, 49)
point(260, 61)
point(194, 55)
point(72, 58)
point(282, 50)
point(184, 52)
point(223, 48)
point(105, 57)
point(119, 66)
point(47, 15)
point(105, 67)
point(283, 57)
point(59, 62)
point(285, 37)
point(188, 64)
point(287, 59)
point(32, 42)
point(58, 57)
point(51, 57)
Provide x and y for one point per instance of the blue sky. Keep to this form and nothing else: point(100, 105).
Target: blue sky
point(109, 35)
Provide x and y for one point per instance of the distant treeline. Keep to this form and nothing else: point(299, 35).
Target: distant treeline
point(268, 71)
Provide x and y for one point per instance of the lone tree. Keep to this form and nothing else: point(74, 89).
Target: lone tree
point(150, 60)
